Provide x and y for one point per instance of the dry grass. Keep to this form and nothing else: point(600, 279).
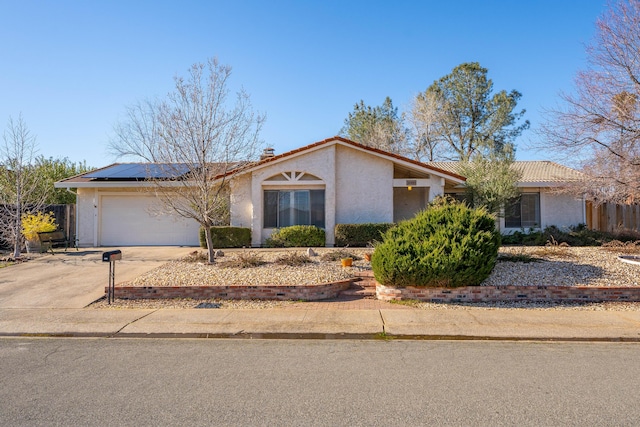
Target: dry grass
point(624, 247)
point(338, 255)
point(293, 259)
point(196, 256)
point(243, 260)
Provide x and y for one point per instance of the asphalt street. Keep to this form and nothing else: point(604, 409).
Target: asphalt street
point(309, 382)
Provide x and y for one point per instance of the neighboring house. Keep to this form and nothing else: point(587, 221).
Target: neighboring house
point(542, 202)
point(334, 181)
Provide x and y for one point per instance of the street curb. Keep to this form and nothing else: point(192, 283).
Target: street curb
point(317, 336)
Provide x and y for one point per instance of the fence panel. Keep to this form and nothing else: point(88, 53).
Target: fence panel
point(613, 218)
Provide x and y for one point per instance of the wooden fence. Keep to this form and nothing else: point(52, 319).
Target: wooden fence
point(65, 218)
point(613, 218)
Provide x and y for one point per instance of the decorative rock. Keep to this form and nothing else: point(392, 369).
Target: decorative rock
point(311, 252)
point(218, 254)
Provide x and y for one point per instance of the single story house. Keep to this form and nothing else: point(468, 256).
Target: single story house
point(334, 181)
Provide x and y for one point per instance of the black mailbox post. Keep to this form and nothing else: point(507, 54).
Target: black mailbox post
point(111, 257)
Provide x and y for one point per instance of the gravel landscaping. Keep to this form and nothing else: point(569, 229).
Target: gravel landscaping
point(546, 266)
point(224, 273)
point(565, 266)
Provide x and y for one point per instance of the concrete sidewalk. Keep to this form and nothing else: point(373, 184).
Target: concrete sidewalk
point(471, 323)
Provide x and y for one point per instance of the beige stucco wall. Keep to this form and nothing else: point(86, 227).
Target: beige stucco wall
point(365, 187)
point(241, 209)
point(556, 208)
point(86, 216)
point(561, 210)
point(319, 163)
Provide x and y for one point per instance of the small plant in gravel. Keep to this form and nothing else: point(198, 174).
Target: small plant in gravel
point(624, 247)
point(243, 260)
point(196, 256)
point(338, 255)
point(293, 259)
point(554, 249)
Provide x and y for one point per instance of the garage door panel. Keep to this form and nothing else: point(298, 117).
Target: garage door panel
point(133, 220)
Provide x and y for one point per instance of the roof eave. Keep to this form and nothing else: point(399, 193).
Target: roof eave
point(351, 144)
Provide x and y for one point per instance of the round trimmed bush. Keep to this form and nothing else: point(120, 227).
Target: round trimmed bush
point(446, 245)
point(296, 236)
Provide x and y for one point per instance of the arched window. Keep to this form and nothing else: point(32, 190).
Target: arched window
point(293, 198)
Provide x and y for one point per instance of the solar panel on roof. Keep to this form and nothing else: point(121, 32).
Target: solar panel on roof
point(141, 171)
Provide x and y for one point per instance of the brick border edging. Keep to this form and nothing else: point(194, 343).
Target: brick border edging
point(261, 292)
point(475, 294)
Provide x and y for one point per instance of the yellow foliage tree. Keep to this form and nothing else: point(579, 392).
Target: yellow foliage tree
point(32, 224)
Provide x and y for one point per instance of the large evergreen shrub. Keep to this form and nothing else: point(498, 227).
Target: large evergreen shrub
point(296, 236)
point(448, 245)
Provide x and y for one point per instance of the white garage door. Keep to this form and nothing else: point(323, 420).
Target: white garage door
point(131, 221)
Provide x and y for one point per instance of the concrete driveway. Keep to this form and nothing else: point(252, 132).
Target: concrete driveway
point(75, 279)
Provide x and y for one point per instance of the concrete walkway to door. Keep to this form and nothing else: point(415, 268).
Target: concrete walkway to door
point(74, 279)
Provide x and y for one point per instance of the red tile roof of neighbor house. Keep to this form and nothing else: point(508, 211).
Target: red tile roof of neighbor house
point(532, 171)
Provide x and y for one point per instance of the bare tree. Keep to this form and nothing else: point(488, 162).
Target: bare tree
point(599, 125)
point(19, 187)
point(424, 119)
point(195, 139)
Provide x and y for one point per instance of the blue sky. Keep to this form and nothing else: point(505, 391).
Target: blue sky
point(71, 67)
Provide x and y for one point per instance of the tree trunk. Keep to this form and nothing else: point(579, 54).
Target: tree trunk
point(17, 233)
point(210, 250)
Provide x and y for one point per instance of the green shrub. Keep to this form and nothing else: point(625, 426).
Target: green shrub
point(522, 238)
point(360, 235)
point(296, 236)
point(578, 235)
point(447, 245)
point(227, 237)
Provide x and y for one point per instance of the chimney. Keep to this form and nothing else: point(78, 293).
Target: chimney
point(267, 153)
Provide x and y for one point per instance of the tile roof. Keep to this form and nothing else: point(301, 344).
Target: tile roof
point(346, 141)
point(533, 171)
